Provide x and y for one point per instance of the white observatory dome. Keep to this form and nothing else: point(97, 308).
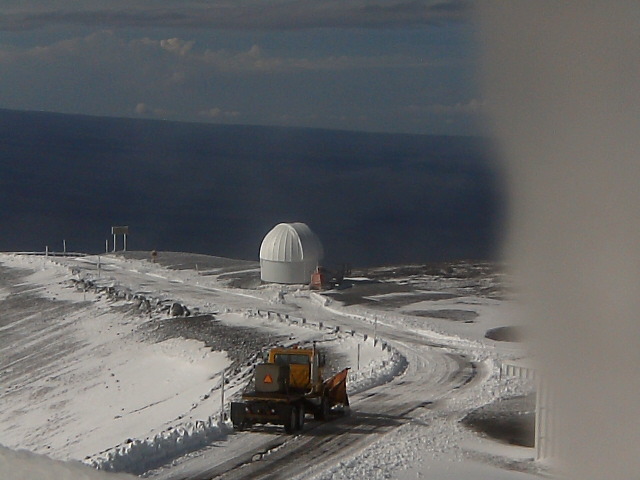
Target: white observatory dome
point(289, 253)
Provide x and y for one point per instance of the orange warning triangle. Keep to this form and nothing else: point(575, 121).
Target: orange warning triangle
point(268, 379)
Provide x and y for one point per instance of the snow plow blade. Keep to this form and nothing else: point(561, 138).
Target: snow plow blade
point(336, 388)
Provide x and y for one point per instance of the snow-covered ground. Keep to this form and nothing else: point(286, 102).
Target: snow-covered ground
point(95, 368)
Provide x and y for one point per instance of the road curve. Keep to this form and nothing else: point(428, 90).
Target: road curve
point(434, 373)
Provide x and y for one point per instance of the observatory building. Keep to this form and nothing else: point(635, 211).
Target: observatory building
point(289, 253)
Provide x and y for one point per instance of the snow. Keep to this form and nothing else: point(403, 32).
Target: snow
point(24, 465)
point(108, 388)
point(118, 400)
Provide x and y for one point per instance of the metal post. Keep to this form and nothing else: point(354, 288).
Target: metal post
point(106, 246)
point(46, 251)
point(222, 399)
point(114, 243)
point(64, 246)
point(375, 331)
point(358, 357)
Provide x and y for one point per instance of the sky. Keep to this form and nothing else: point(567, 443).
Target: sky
point(405, 66)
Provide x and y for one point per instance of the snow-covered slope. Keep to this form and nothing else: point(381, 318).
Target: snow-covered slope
point(96, 369)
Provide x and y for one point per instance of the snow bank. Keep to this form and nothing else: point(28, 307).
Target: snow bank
point(139, 456)
point(380, 363)
point(385, 364)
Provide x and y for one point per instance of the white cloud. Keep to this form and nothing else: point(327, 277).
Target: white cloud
point(149, 55)
point(175, 45)
point(218, 113)
point(101, 42)
point(143, 109)
point(256, 60)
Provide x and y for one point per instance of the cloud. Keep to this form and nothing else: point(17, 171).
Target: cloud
point(156, 60)
point(257, 61)
point(188, 74)
point(468, 113)
point(144, 110)
point(239, 15)
point(218, 113)
point(175, 45)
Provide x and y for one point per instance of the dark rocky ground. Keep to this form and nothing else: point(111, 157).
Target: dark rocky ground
point(437, 281)
point(511, 420)
point(241, 343)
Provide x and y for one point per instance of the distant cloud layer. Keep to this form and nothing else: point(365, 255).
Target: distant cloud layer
point(374, 65)
point(221, 14)
point(145, 50)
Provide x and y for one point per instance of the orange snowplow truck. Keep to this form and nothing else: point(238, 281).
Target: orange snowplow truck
point(287, 387)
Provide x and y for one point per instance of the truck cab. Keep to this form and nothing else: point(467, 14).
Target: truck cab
point(305, 366)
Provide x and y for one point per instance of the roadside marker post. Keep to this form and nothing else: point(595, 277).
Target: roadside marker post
point(222, 398)
point(375, 330)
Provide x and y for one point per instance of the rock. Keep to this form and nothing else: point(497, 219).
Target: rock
point(177, 310)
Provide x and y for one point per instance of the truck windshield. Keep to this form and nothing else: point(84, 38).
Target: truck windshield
point(288, 359)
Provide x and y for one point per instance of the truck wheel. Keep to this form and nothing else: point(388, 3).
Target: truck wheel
point(322, 413)
point(301, 414)
point(239, 426)
point(291, 422)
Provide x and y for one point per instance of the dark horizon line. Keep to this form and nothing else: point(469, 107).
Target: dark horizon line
point(241, 125)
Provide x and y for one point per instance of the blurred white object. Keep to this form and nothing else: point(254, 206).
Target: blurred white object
point(561, 82)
